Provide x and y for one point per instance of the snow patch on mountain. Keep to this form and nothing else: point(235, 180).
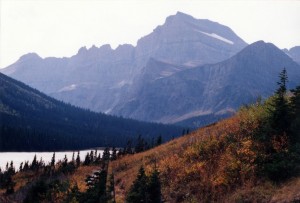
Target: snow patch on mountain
point(120, 84)
point(68, 88)
point(214, 35)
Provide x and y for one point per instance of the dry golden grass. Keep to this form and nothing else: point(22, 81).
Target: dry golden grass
point(22, 178)
point(80, 175)
point(165, 157)
point(205, 166)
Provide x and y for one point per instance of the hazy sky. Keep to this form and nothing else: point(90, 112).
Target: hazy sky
point(60, 27)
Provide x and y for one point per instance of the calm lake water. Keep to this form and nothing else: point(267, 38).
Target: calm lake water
point(18, 157)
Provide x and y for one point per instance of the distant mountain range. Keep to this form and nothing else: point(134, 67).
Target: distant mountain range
point(30, 120)
point(208, 90)
point(187, 71)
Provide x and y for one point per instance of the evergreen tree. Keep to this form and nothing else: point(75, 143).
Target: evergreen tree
point(92, 156)
point(65, 161)
point(128, 148)
point(158, 140)
point(34, 163)
point(78, 160)
point(96, 184)
point(140, 144)
point(87, 160)
point(21, 167)
point(280, 158)
point(95, 155)
point(280, 114)
point(6, 181)
point(26, 166)
point(295, 110)
point(138, 191)
point(73, 158)
point(11, 169)
point(154, 188)
point(106, 154)
point(114, 154)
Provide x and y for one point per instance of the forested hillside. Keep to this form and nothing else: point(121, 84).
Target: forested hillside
point(31, 121)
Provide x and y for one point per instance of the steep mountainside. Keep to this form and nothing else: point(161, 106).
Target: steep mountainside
point(209, 91)
point(30, 120)
point(294, 53)
point(96, 78)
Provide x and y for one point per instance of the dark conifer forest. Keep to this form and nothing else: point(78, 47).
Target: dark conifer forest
point(32, 121)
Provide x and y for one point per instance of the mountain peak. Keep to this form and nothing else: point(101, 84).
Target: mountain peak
point(260, 46)
point(30, 56)
point(183, 15)
point(82, 50)
point(179, 17)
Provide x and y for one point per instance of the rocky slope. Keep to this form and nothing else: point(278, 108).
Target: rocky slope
point(98, 78)
point(209, 90)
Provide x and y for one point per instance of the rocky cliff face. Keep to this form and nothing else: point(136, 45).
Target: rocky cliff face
point(100, 78)
point(209, 90)
point(186, 40)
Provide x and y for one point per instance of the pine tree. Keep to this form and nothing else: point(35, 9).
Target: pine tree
point(26, 166)
point(34, 163)
point(114, 154)
point(106, 154)
point(7, 182)
point(138, 191)
point(281, 114)
point(295, 110)
point(73, 158)
point(78, 160)
point(87, 160)
point(92, 156)
point(128, 148)
point(21, 167)
point(154, 188)
point(96, 184)
point(140, 144)
point(158, 140)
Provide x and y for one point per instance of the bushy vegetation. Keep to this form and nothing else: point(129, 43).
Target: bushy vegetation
point(243, 158)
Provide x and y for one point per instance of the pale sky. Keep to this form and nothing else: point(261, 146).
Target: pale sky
point(60, 27)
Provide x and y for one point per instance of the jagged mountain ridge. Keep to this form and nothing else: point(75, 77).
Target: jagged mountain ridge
point(97, 78)
point(211, 90)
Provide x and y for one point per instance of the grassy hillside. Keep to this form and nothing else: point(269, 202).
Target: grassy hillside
point(205, 166)
point(240, 159)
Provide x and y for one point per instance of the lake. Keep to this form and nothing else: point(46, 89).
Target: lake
point(18, 157)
